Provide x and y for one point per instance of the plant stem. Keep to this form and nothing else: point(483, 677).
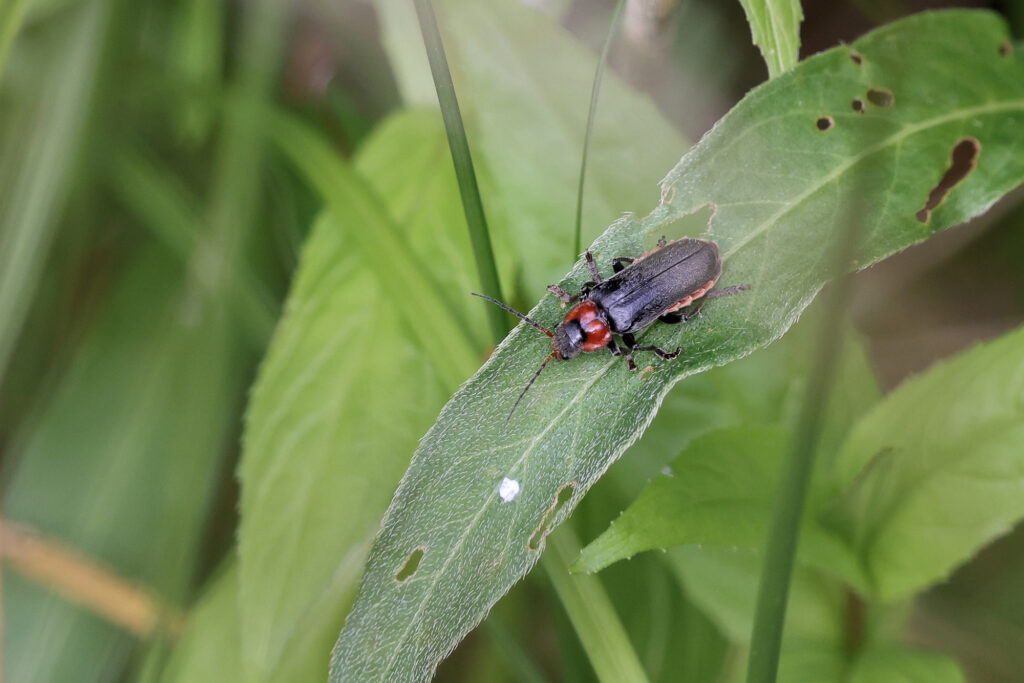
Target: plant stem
point(591, 612)
point(458, 144)
point(577, 244)
point(776, 573)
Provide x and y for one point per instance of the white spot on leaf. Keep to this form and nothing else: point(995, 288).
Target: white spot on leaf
point(508, 490)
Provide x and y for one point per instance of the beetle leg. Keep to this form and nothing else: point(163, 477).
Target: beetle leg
point(622, 351)
point(592, 266)
point(662, 242)
point(727, 291)
point(661, 353)
point(562, 294)
point(617, 262)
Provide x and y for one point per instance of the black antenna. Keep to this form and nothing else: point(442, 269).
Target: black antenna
point(518, 315)
point(530, 384)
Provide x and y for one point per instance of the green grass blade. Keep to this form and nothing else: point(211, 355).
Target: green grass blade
point(775, 27)
point(11, 14)
point(28, 222)
point(165, 206)
point(602, 61)
point(780, 553)
point(459, 145)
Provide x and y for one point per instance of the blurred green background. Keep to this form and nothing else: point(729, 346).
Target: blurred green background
point(149, 232)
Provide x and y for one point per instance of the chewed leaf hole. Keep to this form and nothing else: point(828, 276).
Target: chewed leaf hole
point(1005, 49)
point(880, 97)
point(857, 58)
point(825, 123)
point(412, 563)
point(547, 522)
point(857, 105)
point(964, 160)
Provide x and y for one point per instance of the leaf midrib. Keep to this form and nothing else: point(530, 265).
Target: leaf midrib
point(479, 515)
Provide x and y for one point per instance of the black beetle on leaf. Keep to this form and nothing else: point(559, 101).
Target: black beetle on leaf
point(656, 286)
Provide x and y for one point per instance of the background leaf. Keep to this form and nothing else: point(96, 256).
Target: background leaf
point(778, 184)
point(526, 130)
point(342, 363)
point(933, 472)
point(775, 27)
point(883, 664)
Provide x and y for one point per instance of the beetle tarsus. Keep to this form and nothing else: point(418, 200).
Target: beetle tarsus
point(661, 353)
point(624, 352)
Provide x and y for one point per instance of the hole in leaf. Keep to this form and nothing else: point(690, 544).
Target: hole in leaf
point(857, 58)
point(547, 522)
point(857, 105)
point(825, 122)
point(1005, 49)
point(880, 97)
point(964, 160)
point(412, 563)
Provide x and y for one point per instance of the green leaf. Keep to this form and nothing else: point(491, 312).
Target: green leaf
point(775, 27)
point(723, 583)
point(311, 502)
point(343, 364)
point(122, 462)
point(723, 495)
point(210, 647)
point(896, 664)
point(780, 187)
point(934, 472)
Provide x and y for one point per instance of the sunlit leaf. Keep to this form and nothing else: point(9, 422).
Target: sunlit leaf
point(342, 397)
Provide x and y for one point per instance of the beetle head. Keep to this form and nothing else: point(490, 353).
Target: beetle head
point(568, 339)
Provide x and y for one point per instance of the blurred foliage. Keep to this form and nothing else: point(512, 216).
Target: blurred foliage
point(231, 245)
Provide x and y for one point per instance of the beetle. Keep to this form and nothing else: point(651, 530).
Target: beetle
point(659, 285)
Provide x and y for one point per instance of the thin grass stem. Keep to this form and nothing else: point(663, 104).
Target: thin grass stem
point(577, 243)
point(471, 203)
